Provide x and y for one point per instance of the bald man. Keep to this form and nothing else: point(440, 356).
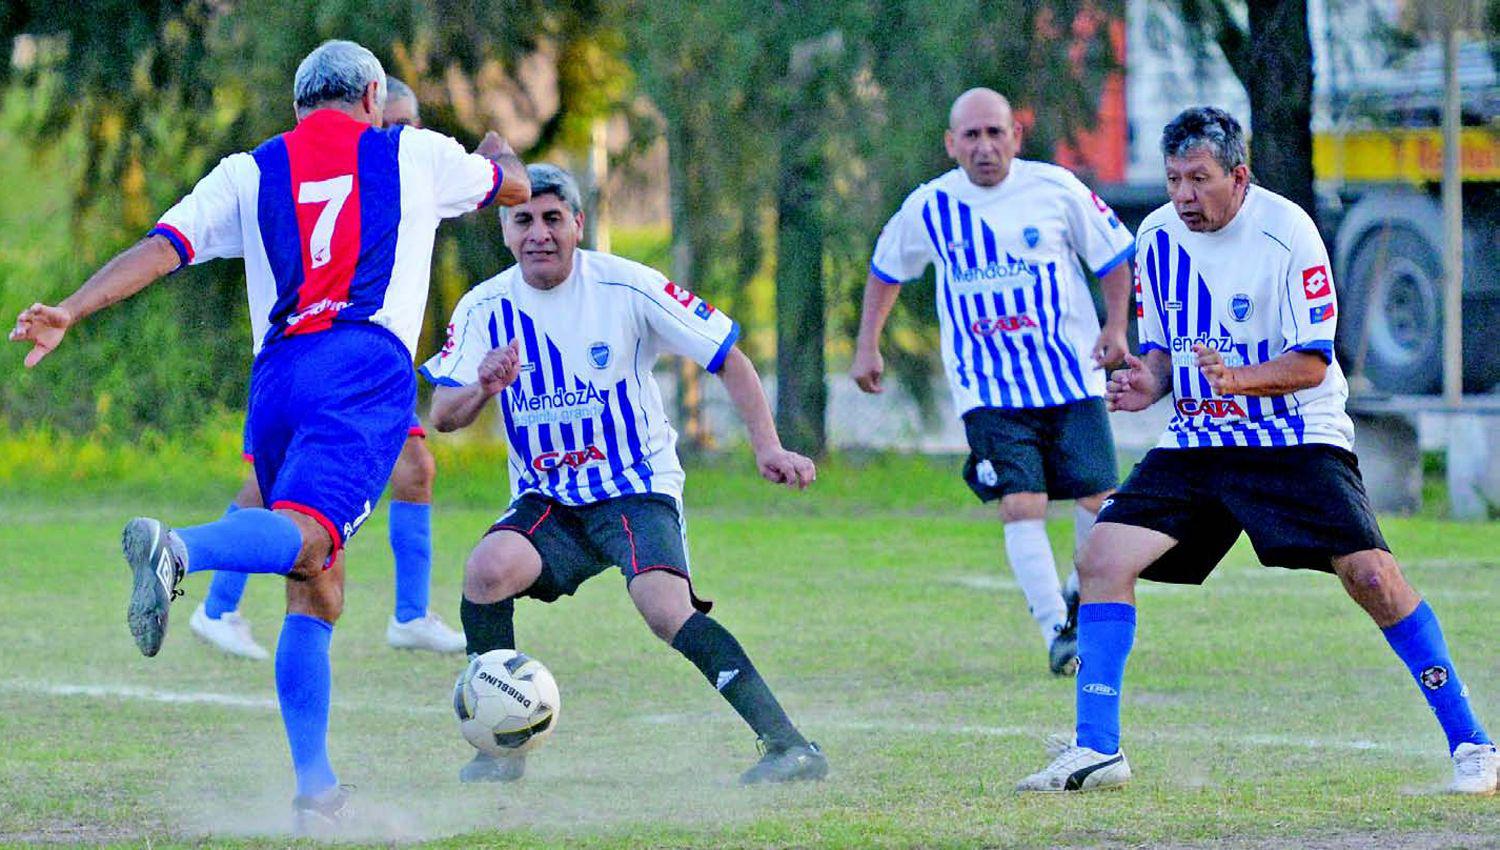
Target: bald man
point(1021, 341)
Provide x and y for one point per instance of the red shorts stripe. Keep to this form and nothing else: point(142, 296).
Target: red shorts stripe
point(317, 515)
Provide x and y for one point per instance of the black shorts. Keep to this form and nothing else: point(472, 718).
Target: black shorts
point(1065, 451)
point(1302, 506)
point(637, 533)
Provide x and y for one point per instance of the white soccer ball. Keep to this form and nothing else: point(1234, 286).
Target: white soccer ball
point(507, 703)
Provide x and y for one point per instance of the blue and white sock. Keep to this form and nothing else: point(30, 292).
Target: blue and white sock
point(304, 682)
point(226, 588)
point(1106, 632)
point(251, 540)
point(411, 543)
point(1418, 640)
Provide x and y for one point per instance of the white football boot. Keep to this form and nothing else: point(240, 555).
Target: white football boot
point(230, 633)
point(427, 632)
point(1474, 769)
point(1076, 768)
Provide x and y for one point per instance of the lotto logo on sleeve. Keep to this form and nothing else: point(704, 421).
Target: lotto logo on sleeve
point(1320, 313)
point(449, 342)
point(1315, 282)
point(678, 294)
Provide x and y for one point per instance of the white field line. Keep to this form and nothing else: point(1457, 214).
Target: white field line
point(1182, 736)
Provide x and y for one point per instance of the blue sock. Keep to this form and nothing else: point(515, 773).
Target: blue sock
point(252, 540)
point(303, 684)
point(411, 543)
point(226, 588)
point(1106, 631)
point(1418, 640)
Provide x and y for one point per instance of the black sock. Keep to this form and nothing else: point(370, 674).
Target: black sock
point(488, 625)
point(724, 663)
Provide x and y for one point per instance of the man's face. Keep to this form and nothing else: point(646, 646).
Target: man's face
point(402, 111)
point(1205, 196)
point(983, 139)
point(543, 233)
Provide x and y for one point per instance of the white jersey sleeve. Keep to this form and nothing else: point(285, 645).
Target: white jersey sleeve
point(472, 333)
point(1094, 231)
point(205, 225)
point(1149, 310)
point(461, 181)
point(682, 323)
point(904, 249)
point(1309, 312)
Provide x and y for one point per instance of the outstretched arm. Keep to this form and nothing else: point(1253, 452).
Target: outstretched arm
point(868, 365)
point(457, 407)
point(775, 463)
point(515, 183)
point(130, 271)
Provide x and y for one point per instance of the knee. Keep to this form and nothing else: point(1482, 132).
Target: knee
point(489, 579)
point(1016, 507)
point(415, 473)
point(1371, 572)
point(1095, 563)
point(665, 623)
point(322, 598)
point(1094, 503)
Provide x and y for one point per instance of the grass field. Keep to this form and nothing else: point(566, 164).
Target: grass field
point(1260, 710)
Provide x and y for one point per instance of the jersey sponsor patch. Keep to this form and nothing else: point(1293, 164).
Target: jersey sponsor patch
point(679, 294)
point(1320, 313)
point(572, 459)
point(1103, 208)
point(703, 310)
point(1213, 408)
point(1315, 282)
point(989, 326)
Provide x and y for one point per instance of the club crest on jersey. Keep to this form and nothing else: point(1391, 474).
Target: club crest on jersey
point(1032, 236)
point(680, 295)
point(549, 461)
point(989, 326)
point(1315, 282)
point(1240, 307)
point(599, 354)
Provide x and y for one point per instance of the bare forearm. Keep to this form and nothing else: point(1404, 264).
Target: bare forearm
point(880, 297)
point(743, 383)
point(130, 271)
point(1116, 286)
point(515, 185)
point(457, 407)
point(1283, 375)
point(1159, 363)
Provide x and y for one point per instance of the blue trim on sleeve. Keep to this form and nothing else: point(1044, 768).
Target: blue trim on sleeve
point(884, 278)
point(495, 190)
point(435, 380)
point(1320, 347)
point(1151, 346)
point(183, 255)
point(1114, 263)
point(717, 363)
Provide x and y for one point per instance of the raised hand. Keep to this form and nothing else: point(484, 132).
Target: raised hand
point(500, 368)
point(1133, 387)
point(42, 326)
point(1219, 374)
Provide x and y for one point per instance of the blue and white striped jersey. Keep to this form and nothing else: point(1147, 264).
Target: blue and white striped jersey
point(585, 420)
point(1017, 318)
point(1256, 288)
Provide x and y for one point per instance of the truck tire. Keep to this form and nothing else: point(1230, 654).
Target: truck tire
point(1390, 283)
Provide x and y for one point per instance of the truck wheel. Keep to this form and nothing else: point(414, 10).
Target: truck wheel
point(1392, 311)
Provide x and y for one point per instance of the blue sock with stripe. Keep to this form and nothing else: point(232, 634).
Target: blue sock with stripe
point(226, 588)
point(1418, 641)
point(1106, 632)
point(251, 540)
point(304, 682)
point(411, 543)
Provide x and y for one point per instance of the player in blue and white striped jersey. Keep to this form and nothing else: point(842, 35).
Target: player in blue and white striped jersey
point(1021, 340)
point(565, 341)
point(1237, 315)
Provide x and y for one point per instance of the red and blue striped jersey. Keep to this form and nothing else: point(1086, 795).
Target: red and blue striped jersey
point(335, 221)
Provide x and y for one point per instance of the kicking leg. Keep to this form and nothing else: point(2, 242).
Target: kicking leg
point(1374, 580)
point(217, 618)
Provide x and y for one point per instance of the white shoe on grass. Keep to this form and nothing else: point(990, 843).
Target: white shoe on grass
point(426, 632)
point(1077, 768)
point(1474, 769)
point(230, 633)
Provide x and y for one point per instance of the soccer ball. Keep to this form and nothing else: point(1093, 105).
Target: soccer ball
point(506, 702)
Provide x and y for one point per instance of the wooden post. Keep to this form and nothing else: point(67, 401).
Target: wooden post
point(1453, 214)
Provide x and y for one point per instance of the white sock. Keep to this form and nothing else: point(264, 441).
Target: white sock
point(1083, 520)
point(1030, 555)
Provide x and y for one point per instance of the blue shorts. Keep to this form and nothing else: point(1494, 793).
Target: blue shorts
point(415, 429)
point(328, 415)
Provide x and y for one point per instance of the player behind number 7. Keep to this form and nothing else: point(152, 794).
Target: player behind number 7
point(335, 221)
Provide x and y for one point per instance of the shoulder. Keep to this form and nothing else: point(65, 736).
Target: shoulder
point(617, 273)
point(1162, 217)
point(948, 181)
point(1047, 174)
point(485, 295)
point(1281, 220)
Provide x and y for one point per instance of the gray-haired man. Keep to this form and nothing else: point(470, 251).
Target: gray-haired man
point(1237, 313)
point(335, 220)
point(560, 341)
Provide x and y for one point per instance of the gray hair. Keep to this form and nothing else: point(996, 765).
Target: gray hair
point(1208, 128)
point(337, 72)
point(397, 90)
point(548, 179)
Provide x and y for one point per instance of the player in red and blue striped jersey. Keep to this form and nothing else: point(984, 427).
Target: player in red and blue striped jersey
point(335, 222)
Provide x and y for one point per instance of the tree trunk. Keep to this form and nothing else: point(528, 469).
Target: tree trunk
point(1279, 81)
point(801, 392)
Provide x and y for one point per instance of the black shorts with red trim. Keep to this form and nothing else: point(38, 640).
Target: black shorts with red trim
point(637, 533)
point(1302, 506)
